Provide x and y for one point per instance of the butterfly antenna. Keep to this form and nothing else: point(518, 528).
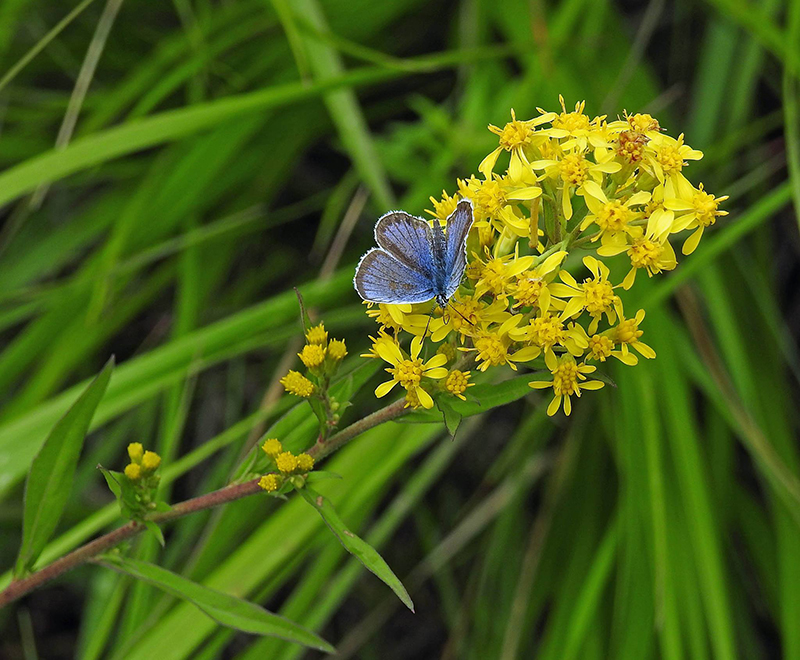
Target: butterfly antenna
point(455, 309)
point(427, 325)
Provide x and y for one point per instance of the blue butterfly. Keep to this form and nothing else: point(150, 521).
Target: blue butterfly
point(414, 263)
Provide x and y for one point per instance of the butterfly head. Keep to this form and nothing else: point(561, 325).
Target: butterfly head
point(441, 300)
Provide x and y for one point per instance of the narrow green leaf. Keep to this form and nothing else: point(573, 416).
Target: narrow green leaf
point(482, 397)
point(155, 530)
point(452, 418)
point(223, 608)
point(356, 546)
point(50, 478)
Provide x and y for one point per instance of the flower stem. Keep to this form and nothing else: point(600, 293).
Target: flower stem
point(229, 493)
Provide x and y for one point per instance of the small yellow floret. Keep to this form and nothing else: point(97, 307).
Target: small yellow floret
point(286, 462)
point(150, 461)
point(133, 471)
point(457, 383)
point(317, 334)
point(337, 349)
point(270, 482)
point(305, 462)
point(296, 383)
point(312, 355)
point(135, 451)
point(272, 447)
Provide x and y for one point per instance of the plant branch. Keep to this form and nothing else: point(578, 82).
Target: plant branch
point(230, 493)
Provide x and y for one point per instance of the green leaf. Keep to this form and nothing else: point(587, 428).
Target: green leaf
point(356, 546)
point(49, 481)
point(452, 418)
point(483, 397)
point(223, 608)
point(155, 530)
point(321, 475)
point(123, 490)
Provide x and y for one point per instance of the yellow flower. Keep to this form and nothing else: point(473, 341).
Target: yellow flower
point(448, 350)
point(305, 462)
point(574, 125)
point(569, 378)
point(595, 295)
point(457, 383)
point(136, 451)
point(272, 447)
point(296, 383)
point(515, 137)
point(443, 208)
point(494, 201)
point(337, 349)
point(286, 462)
point(150, 461)
point(399, 317)
point(601, 347)
point(572, 171)
point(312, 355)
point(627, 334)
point(532, 287)
point(546, 331)
point(492, 347)
point(382, 338)
point(270, 482)
point(497, 271)
point(467, 316)
point(133, 471)
point(612, 216)
point(317, 334)
point(666, 157)
point(409, 372)
point(694, 209)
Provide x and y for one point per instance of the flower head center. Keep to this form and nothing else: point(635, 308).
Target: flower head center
point(545, 331)
point(408, 373)
point(528, 291)
point(599, 295)
point(628, 331)
point(574, 169)
point(457, 382)
point(600, 347)
point(491, 349)
point(705, 205)
point(631, 145)
point(494, 275)
point(515, 134)
point(572, 122)
point(565, 378)
point(670, 158)
point(490, 199)
point(645, 252)
point(614, 216)
point(642, 122)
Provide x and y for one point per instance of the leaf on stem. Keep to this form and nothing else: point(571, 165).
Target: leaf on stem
point(223, 608)
point(49, 482)
point(356, 546)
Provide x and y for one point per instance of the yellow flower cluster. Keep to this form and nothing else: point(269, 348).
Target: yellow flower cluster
point(614, 190)
point(320, 357)
point(286, 463)
point(143, 463)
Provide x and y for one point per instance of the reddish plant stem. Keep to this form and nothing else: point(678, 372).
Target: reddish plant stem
point(230, 493)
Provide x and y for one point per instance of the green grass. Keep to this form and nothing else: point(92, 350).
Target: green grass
point(215, 155)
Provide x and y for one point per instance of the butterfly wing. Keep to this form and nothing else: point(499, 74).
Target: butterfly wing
point(407, 239)
point(455, 260)
point(381, 278)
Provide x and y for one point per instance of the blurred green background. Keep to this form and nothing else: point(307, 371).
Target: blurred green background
point(170, 170)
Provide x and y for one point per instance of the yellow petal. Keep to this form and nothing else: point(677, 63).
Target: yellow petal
point(592, 385)
point(552, 262)
point(555, 404)
point(384, 388)
point(691, 243)
point(551, 360)
point(531, 192)
point(424, 398)
point(567, 405)
point(540, 384)
point(566, 203)
point(416, 347)
point(487, 164)
point(630, 278)
point(436, 372)
point(593, 189)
